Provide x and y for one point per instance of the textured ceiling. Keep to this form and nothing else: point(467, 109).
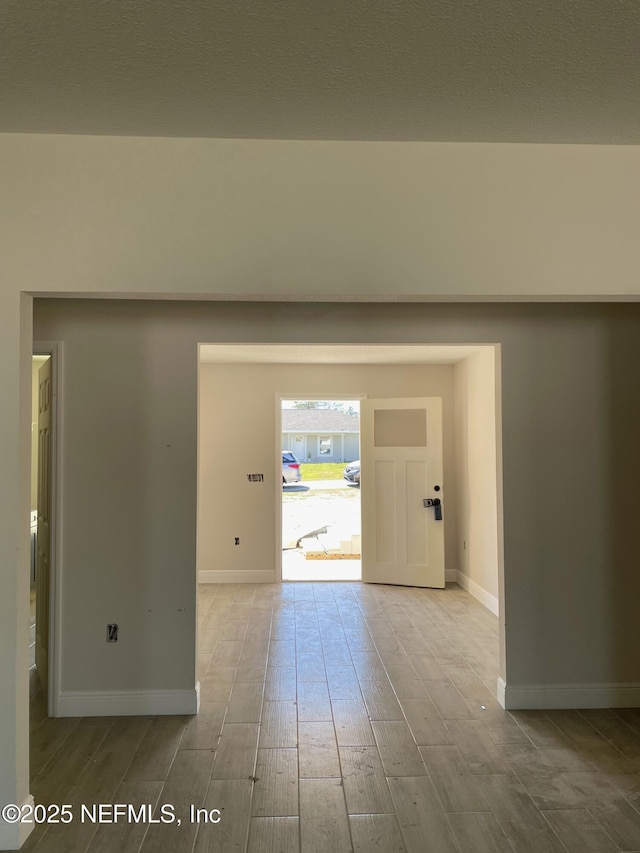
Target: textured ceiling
point(449, 70)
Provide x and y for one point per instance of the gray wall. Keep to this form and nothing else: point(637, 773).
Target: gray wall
point(570, 403)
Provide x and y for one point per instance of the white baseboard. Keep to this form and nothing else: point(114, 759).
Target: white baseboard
point(547, 696)
point(490, 601)
point(451, 576)
point(125, 703)
point(248, 576)
point(13, 835)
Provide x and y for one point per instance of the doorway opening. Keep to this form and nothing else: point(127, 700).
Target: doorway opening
point(240, 486)
point(43, 626)
point(321, 517)
point(37, 362)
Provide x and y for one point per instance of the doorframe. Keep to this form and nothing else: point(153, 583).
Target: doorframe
point(461, 351)
point(54, 349)
point(277, 456)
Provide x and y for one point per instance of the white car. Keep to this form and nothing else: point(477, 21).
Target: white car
point(290, 468)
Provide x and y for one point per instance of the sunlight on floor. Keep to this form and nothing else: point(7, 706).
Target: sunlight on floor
point(295, 567)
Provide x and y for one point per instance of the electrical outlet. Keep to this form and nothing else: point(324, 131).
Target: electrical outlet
point(112, 633)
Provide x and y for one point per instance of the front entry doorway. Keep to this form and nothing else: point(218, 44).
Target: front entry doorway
point(321, 517)
point(397, 537)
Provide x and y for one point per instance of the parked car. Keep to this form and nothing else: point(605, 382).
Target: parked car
point(290, 468)
point(352, 473)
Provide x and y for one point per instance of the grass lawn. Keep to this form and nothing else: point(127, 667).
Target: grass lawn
point(322, 470)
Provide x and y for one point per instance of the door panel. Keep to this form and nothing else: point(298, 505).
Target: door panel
point(385, 497)
point(401, 463)
point(44, 523)
point(417, 540)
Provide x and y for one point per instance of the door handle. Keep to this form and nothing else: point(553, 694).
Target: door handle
point(436, 503)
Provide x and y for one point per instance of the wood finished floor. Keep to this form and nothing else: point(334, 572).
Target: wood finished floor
point(346, 717)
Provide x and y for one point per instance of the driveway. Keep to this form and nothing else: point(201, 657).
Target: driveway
point(319, 485)
point(310, 506)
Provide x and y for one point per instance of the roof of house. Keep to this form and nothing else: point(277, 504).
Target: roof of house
point(319, 420)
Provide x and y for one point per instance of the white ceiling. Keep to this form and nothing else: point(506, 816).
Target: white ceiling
point(333, 353)
point(449, 70)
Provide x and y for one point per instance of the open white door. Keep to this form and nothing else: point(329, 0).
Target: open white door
point(44, 523)
point(401, 466)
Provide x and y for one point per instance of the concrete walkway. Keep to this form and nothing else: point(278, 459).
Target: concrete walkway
point(317, 485)
point(307, 507)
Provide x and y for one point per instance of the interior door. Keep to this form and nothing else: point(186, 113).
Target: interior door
point(44, 523)
point(401, 466)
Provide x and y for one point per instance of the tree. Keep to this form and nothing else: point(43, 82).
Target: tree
point(324, 404)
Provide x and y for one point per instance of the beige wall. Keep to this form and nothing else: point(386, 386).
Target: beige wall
point(352, 220)
point(235, 399)
point(477, 473)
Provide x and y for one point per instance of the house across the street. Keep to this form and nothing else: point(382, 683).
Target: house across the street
point(321, 435)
